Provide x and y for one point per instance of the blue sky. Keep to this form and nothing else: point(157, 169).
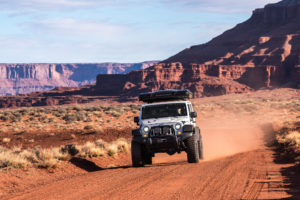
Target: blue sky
point(68, 31)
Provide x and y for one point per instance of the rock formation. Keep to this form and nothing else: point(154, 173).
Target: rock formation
point(26, 78)
point(263, 52)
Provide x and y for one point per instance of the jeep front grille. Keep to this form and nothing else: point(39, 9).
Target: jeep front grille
point(161, 131)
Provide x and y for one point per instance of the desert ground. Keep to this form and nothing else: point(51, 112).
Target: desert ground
point(245, 155)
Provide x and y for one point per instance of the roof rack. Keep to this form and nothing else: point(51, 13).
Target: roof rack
point(165, 95)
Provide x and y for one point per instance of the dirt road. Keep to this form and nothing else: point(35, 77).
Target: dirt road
point(237, 166)
point(248, 175)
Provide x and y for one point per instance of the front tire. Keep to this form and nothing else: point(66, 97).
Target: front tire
point(137, 154)
point(192, 149)
point(200, 145)
point(201, 157)
point(148, 159)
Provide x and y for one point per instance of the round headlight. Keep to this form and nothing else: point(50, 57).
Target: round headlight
point(146, 129)
point(177, 126)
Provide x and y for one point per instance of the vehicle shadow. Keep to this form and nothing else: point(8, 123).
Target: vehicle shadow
point(85, 164)
point(167, 164)
point(291, 174)
point(90, 166)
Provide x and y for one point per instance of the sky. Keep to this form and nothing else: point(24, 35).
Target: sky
point(89, 31)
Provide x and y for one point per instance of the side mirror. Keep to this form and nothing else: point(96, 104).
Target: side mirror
point(136, 119)
point(193, 115)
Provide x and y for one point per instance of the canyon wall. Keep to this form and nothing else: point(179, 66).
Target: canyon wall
point(262, 52)
point(26, 78)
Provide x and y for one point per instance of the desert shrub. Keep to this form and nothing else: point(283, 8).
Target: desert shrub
point(9, 159)
point(31, 114)
point(101, 143)
point(288, 139)
point(42, 119)
point(6, 140)
point(88, 127)
point(50, 158)
point(126, 108)
point(38, 115)
point(3, 118)
point(69, 117)
point(92, 109)
point(57, 114)
point(40, 110)
point(123, 145)
point(112, 150)
point(79, 116)
point(88, 119)
point(13, 118)
point(7, 113)
point(61, 110)
point(135, 107)
point(99, 115)
point(23, 111)
point(91, 150)
point(76, 108)
point(47, 111)
point(115, 113)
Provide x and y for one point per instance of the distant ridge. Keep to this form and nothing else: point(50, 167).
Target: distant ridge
point(25, 78)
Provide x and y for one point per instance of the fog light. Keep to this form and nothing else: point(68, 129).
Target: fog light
point(145, 135)
point(179, 132)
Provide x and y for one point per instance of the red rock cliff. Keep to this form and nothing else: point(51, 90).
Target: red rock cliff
point(262, 52)
point(26, 78)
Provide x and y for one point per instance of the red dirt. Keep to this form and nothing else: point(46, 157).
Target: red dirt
point(237, 165)
point(248, 175)
point(60, 138)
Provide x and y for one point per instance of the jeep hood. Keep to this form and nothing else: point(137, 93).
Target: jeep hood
point(163, 121)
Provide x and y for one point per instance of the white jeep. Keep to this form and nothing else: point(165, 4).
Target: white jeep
point(166, 126)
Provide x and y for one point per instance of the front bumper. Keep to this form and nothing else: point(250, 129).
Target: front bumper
point(165, 143)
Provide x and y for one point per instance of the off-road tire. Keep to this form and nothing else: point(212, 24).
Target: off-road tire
point(200, 145)
point(192, 149)
point(148, 159)
point(137, 154)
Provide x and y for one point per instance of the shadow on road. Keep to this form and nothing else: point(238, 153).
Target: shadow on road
point(291, 174)
point(90, 166)
point(84, 164)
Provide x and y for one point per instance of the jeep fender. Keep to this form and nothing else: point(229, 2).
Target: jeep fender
point(188, 131)
point(139, 139)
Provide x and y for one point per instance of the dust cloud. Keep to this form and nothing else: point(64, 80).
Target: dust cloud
point(224, 137)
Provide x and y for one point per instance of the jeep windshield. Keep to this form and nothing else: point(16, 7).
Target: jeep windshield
point(164, 110)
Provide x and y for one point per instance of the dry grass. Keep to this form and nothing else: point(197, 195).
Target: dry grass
point(6, 140)
point(101, 148)
point(288, 140)
point(50, 158)
point(81, 117)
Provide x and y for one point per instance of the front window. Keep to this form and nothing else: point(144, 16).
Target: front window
point(164, 110)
